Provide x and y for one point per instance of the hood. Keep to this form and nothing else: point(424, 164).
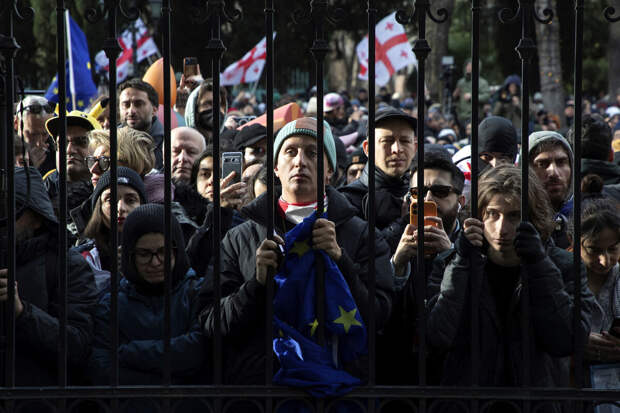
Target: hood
point(537, 138)
point(497, 134)
point(190, 109)
point(146, 219)
point(608, 171)
point(512, 79)
point(31, 193)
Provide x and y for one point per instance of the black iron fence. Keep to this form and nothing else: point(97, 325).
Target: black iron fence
point(318, 16)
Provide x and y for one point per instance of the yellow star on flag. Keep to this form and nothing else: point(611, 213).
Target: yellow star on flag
point(347, 319)
point(88, 65)
point(55, 90)
point(281, 333)
point(313, 325)
point(300, 248)
point(80, 103)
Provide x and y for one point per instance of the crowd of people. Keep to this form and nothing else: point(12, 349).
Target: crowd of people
point(481, 255)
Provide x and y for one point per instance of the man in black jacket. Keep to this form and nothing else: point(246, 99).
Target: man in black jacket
point(247, 254)
point(395, 148)
point(37, 295)
point(137, 104)
point(443, 185)
point(499, 251)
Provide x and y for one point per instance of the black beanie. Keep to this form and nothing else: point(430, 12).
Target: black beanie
point(125, 176)
point(496, 134)
point(145, 219)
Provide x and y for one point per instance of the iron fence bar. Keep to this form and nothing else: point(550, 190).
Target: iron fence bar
point(578, 343)
point(261, 392)
point(166, 10)
point(473, 284)
point(269, 76)
point(215, 48)
point(61, 25)
point(9, 48)
point(372, 287)
point(318, 10)
point(112, 49)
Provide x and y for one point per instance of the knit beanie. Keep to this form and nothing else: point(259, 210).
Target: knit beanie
point(537, 138)
point(145, 219)
point(496, 134)
point(308, 127)
point(125, 176)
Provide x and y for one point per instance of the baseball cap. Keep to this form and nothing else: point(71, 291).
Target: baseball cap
point(389, 113)
point(331, 101)
point(74, 118)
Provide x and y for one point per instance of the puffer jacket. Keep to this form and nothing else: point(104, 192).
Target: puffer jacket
point(242, 322)
point(141, 327)
point(551, 283)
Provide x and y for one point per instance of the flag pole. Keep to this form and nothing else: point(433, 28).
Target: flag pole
point(70, 51)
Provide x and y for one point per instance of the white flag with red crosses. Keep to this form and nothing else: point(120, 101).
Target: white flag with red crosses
point(249, 69)
point(392, 51)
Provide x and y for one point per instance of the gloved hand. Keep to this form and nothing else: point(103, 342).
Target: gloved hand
point(528, 244)
point(471, 238)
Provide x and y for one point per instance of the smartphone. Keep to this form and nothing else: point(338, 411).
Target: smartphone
point(614, 330)
point(190, 67)
point(232, 161)
point(430, 210)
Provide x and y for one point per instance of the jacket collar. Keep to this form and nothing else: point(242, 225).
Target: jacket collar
point(339, 210)
point(395, 186)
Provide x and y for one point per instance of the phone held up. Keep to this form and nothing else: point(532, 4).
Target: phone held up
point(190, 67)
point(430, 210)
point(232, 161)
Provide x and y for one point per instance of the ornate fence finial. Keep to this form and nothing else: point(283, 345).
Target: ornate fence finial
point(609, 14)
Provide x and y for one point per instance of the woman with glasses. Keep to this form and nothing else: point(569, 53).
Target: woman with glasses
point(130, 195)
point(141, 301)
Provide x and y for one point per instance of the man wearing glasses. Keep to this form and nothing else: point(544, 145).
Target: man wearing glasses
point(79, 124)
point(443, 184)
point(29, 123)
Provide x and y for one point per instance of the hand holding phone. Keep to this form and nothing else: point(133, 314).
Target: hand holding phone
point(190, 67)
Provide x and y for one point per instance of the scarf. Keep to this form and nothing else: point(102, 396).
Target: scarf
point(296, 213)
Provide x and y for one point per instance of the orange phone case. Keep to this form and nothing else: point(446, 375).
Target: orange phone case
point(430, 210)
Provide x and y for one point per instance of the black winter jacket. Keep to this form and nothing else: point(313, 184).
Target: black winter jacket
point(389, 193)
point(551, 283)
point(242, 321)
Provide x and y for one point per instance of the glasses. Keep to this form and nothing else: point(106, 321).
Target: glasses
point(37, 108)
point(81, 141)
point(438, 191)
point(144, 256)
point(102, 161)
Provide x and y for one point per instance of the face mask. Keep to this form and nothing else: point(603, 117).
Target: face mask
point(205, 119)
point(468, 76)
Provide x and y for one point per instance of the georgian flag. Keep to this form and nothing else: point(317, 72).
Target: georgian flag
point(392, 51)
point(249, 68)
point(145, 45)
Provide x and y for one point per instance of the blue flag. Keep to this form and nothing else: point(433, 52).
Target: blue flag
point(304, 363)
point(80, 86)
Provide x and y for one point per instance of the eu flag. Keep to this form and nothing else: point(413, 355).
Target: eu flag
point(303, 362)
point(81, 89)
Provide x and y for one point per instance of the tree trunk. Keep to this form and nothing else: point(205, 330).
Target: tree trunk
point(340, 61)
point(550, 62)
point(437, 36)
point(614, 54)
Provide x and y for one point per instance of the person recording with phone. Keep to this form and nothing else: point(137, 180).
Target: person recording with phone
point(443, 190)
point(600, 252)
point(500, 250)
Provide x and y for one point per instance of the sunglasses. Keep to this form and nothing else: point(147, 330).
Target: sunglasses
point(37, 108)
point(102, 161)
point(438, 191)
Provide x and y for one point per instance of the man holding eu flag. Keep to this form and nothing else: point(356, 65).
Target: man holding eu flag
point(339, 238)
